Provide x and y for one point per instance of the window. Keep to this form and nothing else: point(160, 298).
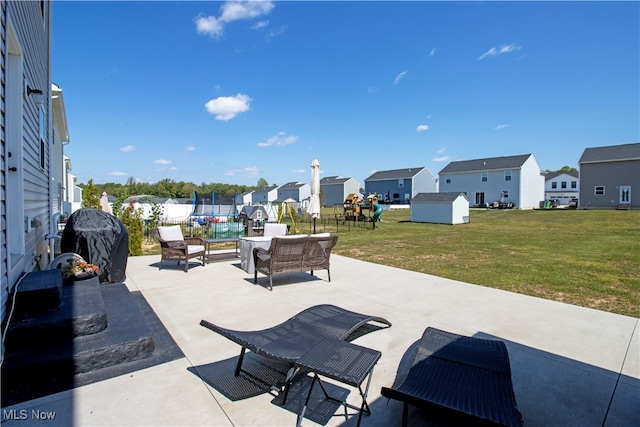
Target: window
point(485, 176)
point(563, 184)
point(598, 190)
point(507, 175)
point(505, 193)
point(574, 184)
point(401, 183)
point(554, 185)
point(447, 179)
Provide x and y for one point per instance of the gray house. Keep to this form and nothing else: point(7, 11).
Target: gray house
point(262, 196)
point(336, 189)
point(31, 155)
point(297, 191)
point(609, 175)
point(440, 208)
point(400, 185)
point(510, 179)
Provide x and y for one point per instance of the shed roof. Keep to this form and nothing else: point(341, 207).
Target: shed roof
point(438, 197)
point(395, 174)
point(611, 153)
point(491, 163)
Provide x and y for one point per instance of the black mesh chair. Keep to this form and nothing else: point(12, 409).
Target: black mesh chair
point(464, 374)
point(295, 337)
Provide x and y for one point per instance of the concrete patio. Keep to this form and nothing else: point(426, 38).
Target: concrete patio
point(571, 366)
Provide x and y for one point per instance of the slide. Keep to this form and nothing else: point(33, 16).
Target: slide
point(377, 212)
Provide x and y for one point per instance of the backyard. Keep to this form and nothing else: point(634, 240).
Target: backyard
point(589, 258)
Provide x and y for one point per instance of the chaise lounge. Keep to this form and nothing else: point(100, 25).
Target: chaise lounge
point(297, 336)
point(467, 375)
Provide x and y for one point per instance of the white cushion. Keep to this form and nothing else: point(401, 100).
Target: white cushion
point(292, 236)
point(170, 234)
point(271, 229)
point(321, 235)
point(192, 249)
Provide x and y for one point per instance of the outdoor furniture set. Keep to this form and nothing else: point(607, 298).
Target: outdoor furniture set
point(467, 375)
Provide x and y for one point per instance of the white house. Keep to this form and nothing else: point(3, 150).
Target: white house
point(511, 179)
point(440, 208)
point(31, 155)
point(562, 186)
point(336, 189)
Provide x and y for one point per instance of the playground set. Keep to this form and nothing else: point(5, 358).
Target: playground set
point(357, 210)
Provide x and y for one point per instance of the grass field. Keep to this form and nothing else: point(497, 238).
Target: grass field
point(589, 258)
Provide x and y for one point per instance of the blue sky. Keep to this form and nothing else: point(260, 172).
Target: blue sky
point(233, 92)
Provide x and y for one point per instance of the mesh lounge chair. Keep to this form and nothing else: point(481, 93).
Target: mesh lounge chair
point(292, 339)
point(464, 374)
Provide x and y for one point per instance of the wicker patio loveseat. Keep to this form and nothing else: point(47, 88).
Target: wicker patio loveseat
point(294, 254)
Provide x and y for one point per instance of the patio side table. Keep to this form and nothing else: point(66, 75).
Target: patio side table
point(344, 362)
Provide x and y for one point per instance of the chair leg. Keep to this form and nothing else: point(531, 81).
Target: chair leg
point(270, 282)
point(239, 365)
point(186, 265)
point(329, 274)
point(405, 414)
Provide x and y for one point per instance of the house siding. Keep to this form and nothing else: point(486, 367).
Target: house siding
point(611, 175)
point(454, 211)
point(336, 193)
point(564, 195)
point(28, 47)
point(401, 189)
point(525, 188)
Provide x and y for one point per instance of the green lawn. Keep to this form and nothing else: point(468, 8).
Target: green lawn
point(589, 258)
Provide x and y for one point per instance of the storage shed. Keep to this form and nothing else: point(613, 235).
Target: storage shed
point(441, 208)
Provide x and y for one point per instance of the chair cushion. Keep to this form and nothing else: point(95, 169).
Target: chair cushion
point(193, 249)
point(292, 236)
point(171, 233)
point(271, 229)
point(321, 235)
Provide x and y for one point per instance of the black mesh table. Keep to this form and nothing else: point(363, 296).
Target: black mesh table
point(341, 361)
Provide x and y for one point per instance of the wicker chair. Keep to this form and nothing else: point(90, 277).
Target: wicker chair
point(317, 252)
point(175, 247)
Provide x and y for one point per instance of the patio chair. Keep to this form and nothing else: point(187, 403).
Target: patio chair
point(292, 339)
point(176, 247)
point(463, 374)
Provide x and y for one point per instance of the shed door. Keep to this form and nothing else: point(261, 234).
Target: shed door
point(625, 194)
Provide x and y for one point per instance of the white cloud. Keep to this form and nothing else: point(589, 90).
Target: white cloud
point(280, 139)
point(162, 162)
point(500, 127)
point(440, 151)
point(400, 77)
point(116, 173)
point(128, 148)
point(191, 148)
point(232, 11)
point(249, 172)
point(298, 171)
point(441, 159)
point(226, 108)
point(433, 51)
point(505, 48)
point(422, 128)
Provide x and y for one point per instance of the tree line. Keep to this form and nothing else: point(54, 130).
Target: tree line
point(166, 188)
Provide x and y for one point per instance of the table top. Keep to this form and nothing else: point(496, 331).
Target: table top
point(257, 239)
point(340, 360)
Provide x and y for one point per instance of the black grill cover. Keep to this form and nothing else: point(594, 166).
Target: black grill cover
point(101, 239)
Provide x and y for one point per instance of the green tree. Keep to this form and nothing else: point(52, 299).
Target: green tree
point(262, 183)
point(90, 196)
point(131, 218)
